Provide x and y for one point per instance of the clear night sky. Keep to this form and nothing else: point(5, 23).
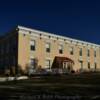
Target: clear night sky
point(78, 19)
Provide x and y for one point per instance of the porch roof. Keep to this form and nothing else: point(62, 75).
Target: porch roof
point(63, 59)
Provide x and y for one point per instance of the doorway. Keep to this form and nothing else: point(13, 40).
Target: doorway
point(64, 65)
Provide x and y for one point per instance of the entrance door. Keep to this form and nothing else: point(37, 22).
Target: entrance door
point(64, 65)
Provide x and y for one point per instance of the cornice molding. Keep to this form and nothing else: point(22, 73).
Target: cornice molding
point(47, 35)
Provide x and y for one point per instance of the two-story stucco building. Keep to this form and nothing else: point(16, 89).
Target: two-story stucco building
point(22, 46)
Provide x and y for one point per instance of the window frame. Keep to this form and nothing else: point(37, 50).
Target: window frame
point(89, 65)
point(48, 66)
point(88, 52)
point(48, 47)
point(80, 52)
point(71, 50)
point(95, 53)
point(61, 47)
point(95, 65)
point(32, 45)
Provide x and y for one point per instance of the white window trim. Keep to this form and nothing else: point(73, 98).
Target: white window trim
point(45, 62)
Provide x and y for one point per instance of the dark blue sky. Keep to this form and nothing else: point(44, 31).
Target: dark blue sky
point(78, 19)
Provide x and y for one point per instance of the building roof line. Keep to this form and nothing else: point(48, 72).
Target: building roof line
point(56, 35)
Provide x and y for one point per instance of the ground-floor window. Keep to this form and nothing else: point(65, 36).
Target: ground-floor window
point(32, 62)
point(95, 65)
point(88, 65)
point(47, 64)
point(81, 64)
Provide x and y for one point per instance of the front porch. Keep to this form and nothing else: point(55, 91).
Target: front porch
point(62, 64)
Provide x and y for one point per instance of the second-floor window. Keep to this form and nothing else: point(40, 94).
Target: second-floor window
point(48, 47)
point(80, 52)
point(61, 49)
point(94, 53)
point(32, 45)
point(71, 50)
point(88, 53)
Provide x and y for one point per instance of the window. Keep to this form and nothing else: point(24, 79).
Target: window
point(95, 65)
point(61, 49)
point(47, 64)
point(88, 65)
point(94, 53)
point(81, 65)
point(32, 62)
point(32, 45)
point(71, 50)
point(80, 52)
point(48, 47)
point(88, 53)
point(32, 66)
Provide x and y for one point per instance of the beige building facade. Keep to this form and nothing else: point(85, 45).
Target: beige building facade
point(31, 44)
